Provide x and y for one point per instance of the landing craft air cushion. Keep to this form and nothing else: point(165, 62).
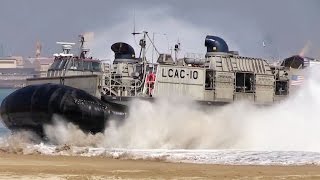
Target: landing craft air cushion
point(88, 93)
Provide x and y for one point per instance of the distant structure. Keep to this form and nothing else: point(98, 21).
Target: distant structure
point(1, 50)
point(38, 49)
point(14, 70)
point(8, 62)
point(40, 64)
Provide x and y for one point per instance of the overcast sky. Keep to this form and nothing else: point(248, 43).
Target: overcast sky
point(286, 26)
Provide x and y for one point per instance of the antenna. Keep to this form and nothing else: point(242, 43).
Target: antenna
point(134, 23)
point(271, 50)
point(153, 43)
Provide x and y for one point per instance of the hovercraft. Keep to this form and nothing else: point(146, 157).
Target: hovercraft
point(89, 93)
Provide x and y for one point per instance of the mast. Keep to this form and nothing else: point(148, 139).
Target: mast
point(83, 50)
point(142, 43)
point(176, 50)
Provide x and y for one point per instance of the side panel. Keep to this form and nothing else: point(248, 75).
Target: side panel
point(224, 86)
point(209, 95)
point(88, 83)
point(264, 88)
point(244, 96)
point(180, 81)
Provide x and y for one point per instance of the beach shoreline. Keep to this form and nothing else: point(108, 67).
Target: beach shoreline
point(13, 166)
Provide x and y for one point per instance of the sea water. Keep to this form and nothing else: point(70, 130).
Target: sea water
point(3, 94)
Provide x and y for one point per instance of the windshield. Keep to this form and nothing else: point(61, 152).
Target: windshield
point(96, 66)
point(81, 65)
point(58, 64)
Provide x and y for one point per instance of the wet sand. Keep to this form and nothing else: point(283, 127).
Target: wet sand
point(13, 166)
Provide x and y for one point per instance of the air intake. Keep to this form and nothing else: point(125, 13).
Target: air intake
point(216, 44)
point(123, 51)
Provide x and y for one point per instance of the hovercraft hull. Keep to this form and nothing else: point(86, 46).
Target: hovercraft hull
point(34, 106)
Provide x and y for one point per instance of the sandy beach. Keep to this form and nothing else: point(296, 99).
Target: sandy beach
point(13, 166)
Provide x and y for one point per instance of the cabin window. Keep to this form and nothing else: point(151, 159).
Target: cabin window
point(79, 64)
point(87, 65)
point(55, 64)
point(58, 64)
point(281, 88)
point(62, 64)
point(209, 79)
point(73, 64)
point(96, 66)
point(76, 65)
point(244, 82)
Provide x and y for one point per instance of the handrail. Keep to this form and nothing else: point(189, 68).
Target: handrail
point(111, 85)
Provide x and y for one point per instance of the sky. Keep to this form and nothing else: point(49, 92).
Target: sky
point(285, 27)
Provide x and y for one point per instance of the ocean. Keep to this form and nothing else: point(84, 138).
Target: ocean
point(3, 94)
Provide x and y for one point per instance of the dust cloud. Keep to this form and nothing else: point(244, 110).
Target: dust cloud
point(62, 132)
point(18, 142)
